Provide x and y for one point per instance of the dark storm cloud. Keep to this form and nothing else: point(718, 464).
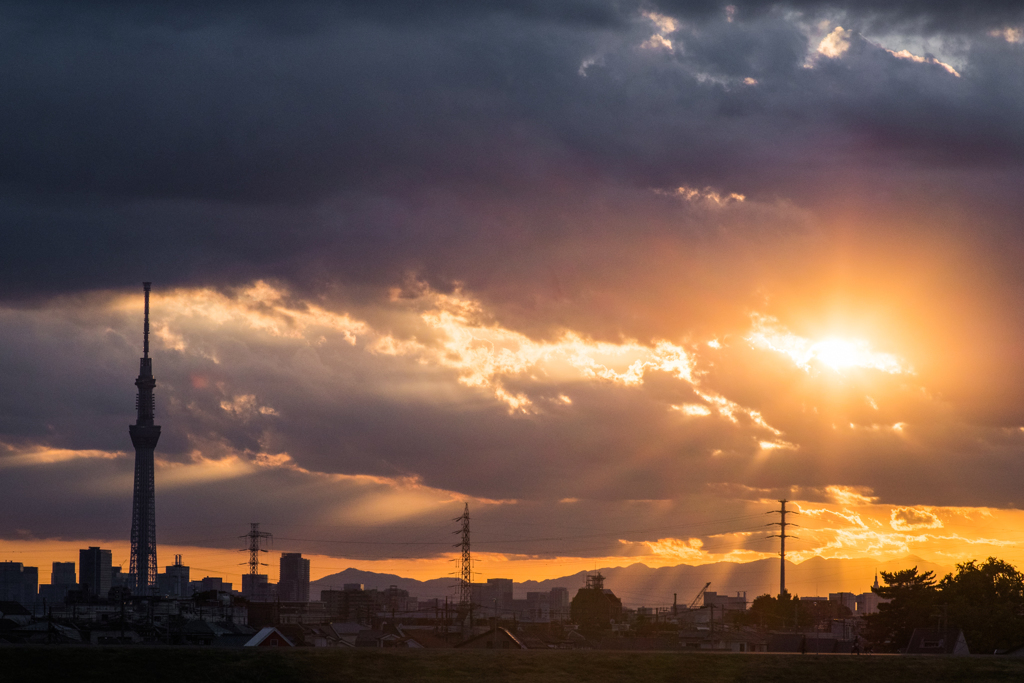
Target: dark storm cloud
point(221, 143)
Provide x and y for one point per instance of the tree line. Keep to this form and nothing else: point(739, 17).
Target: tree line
point(984, 599)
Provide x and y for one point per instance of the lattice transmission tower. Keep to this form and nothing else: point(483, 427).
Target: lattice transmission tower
point(464, 568)
point(256, 538)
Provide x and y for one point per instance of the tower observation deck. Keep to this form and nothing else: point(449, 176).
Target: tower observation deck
point(145, 434)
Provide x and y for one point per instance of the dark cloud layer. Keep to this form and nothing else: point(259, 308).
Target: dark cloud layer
point(221, 144)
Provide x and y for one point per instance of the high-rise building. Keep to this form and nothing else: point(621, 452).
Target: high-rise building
point(558, 603)
point(293, 585)
point(94, 571)
point(145, 434)
point(62, 579)
point(19, 583)
point(503, 593)
point(63, 574)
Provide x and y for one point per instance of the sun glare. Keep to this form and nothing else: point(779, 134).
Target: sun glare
point(832, 352)
point(840, 353)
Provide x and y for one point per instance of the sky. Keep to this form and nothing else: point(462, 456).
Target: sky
point(618, 274)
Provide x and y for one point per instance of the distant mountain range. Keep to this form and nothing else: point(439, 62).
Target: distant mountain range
point(639, 585)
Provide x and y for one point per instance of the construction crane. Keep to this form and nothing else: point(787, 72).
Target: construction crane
point(700, 594)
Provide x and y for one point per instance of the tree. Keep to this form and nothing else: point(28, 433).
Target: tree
point(787, 612)
point(987, 602)
point(911, 605)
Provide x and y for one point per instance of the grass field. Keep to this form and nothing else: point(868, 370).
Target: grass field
point(182, 665)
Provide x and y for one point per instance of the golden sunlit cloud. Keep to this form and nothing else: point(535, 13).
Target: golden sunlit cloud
point(837, 354)
point(773, 445)
point(851, 495)
point(860, 527)
point(246, 406)
point(259, 306)
point(730, 410)
point(707, 195)
point(201, 469)
point(836, 43)
point(677, 549)
point(483, 354)
point(906, 54)
point(912, 519)
point(663, 25)
point(11, 456)
point(453, 331)
point(1011, 34)
point(692, 409)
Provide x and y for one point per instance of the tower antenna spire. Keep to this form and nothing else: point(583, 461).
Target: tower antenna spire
point(145, 325)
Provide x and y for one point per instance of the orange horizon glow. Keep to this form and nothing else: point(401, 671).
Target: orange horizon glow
point(853, 527)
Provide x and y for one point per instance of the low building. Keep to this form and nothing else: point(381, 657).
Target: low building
point(174, 582)
point(263, 614)
point(269, 637)
point(933, 641)
point(726, 603)
point(494, 639)
point(720, 640)
point(538, 607)
point(211, 583)
point(257, 588)
point(595, 608)
point(847, 600)
point(351, 604)
point(867, 603)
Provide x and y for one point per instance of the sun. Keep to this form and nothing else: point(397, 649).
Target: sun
point(836, 353)
point(840, 354)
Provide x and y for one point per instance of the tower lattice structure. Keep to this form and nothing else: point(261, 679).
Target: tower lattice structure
point(464, 567)
point(256, 538)
point(145, 435)
point(782, 536)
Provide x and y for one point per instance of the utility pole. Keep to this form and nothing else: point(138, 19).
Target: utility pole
point(782, 536)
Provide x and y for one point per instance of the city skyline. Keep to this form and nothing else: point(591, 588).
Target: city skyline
point(619, 275)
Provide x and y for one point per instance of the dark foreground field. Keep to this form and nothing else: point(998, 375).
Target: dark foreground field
point(157, 665)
